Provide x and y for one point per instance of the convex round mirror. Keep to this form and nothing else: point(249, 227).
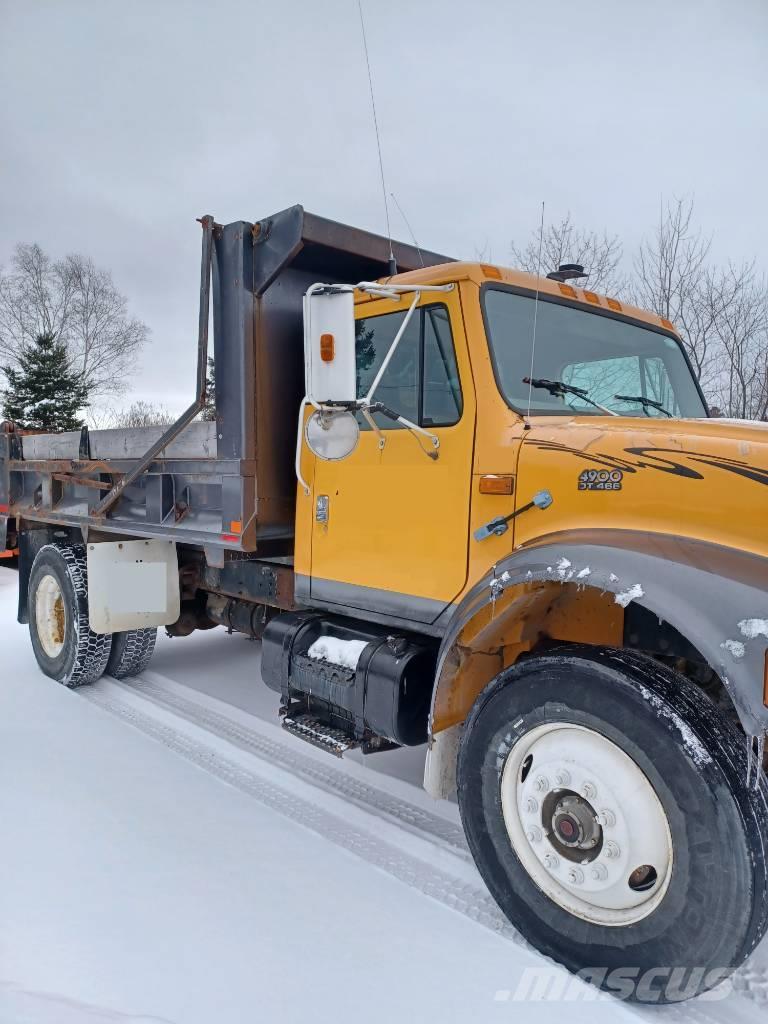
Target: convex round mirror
point(332, 435)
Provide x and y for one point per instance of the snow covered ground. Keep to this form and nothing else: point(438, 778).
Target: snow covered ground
point(168, 854)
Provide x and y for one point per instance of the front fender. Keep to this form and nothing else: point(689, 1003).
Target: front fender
point(716, 597)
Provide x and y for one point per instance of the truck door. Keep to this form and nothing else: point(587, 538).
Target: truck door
point(390, 524)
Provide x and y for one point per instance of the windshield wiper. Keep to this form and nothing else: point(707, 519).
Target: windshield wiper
point(645, 402)
point(559, 388)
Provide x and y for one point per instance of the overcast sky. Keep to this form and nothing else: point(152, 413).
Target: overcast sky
point(121, 122)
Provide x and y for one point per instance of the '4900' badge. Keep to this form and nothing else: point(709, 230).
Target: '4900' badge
point(600, 480)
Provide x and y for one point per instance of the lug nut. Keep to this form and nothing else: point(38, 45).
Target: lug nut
point(533, 835)
point(612, 850)
point(606, 818)
point(531, 805)
point(563, 778)
point(589, 791)
point(541, 785)
point(575, 876)
point(551, 861)
point(599, 872)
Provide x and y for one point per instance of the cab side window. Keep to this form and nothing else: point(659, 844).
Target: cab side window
point(421, 381)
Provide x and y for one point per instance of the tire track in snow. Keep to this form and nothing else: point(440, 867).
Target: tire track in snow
point(472, 901)
point(327, 777)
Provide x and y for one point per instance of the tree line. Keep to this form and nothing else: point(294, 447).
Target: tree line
point(68, 340)
point(69, 347)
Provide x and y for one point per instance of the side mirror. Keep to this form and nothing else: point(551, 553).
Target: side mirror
point(329, 346)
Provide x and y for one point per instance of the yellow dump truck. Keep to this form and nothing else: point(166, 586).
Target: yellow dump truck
point(464, 507)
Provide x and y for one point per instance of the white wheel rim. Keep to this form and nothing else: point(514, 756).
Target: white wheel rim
point(50, 616)
point(578, 786)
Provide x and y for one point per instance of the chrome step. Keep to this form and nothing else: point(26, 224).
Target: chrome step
point(313, 731)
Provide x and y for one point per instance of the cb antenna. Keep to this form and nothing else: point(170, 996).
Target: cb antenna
point(392, 262)
point(410, 229)
point(535, 318)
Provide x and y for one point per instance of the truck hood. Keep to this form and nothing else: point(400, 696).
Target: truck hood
point(703, 478)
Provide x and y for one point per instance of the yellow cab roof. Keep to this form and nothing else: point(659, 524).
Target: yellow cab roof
point(485, 273)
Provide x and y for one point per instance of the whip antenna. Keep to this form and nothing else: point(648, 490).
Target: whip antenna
point(392, 263)
point(535, 318)
point(410, 229)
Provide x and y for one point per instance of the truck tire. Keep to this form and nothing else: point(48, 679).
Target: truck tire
point(131, 652)
point(65, 647)
point(617, 820)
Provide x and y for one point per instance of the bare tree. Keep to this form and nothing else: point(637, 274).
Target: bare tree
point(720, 313)
point(741, 326)
point(144, 414)
point(77, 303)
point(672, 278)
point(600, 255)
point(138, 414)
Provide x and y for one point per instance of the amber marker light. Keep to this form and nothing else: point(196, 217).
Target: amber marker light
point(327, 348)
point(493, 484)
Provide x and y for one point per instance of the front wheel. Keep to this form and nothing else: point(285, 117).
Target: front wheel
point(607, 804)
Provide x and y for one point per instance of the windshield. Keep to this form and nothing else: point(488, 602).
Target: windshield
point(627, 369)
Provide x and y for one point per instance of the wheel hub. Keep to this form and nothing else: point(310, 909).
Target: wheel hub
point(50, 616)
point(571, 823)
point(596, 840)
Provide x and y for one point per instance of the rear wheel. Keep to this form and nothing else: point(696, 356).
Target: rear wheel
point(65, 647)
point(606, 801)
point(131, 652)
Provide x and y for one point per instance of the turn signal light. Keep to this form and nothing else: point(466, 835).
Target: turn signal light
point(493, 484)
point(327, 347)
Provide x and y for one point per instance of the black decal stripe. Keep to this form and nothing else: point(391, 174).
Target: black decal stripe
point(662, 465)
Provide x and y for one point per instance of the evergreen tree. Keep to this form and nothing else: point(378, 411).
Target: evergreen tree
point(365, 352)
point(43, 393)
point(209, 409)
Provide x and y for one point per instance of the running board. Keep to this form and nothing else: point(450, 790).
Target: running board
point(313, 731)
